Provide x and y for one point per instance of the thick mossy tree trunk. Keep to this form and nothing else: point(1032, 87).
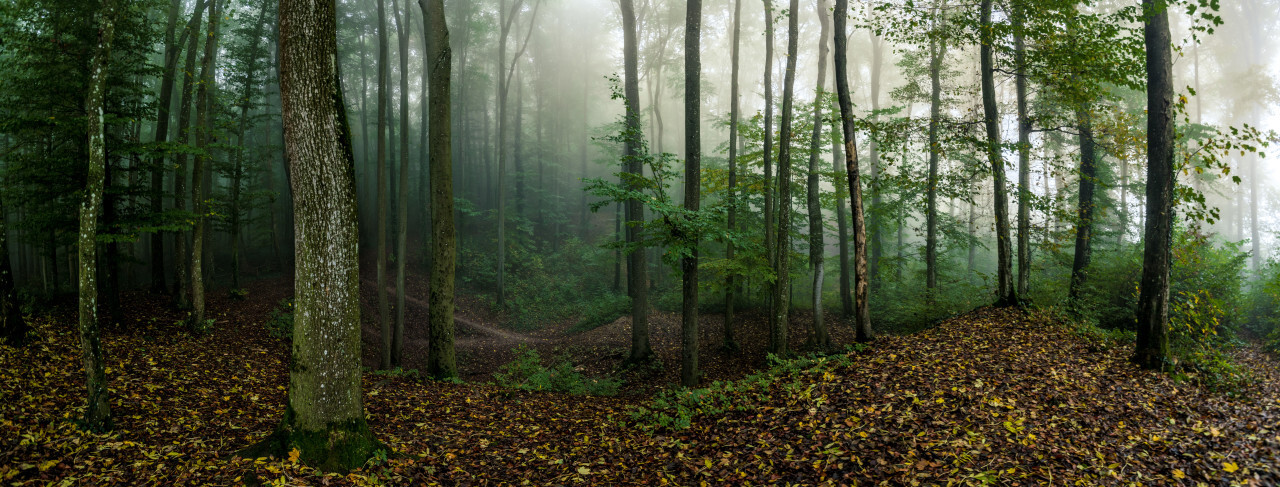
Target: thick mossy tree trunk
point(440, 358)
point(820, 338)
point(862, 314)
point(637, 279)
point(1005, 295)
point(779, 322)
point(97, 417)
point(731, 282)
point(692, 190)
point(324, 420)
point(1084, 224)
point(1152, 348)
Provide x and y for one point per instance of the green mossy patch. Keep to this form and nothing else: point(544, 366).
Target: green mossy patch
point(340, 447)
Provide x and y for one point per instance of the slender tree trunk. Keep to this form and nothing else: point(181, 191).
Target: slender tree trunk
point(1084, 227)
point(424, 163)
point(1005, 295)
point(325, 417)
point(820, 339)
point(1024, 153)
point(384, 307)
point(402, 211)
point(781, 286)
point(13, 326)
point(862, 315)
point(692, 190)
point(842, 223)
point(238, 173)
point(180, 249)
point(1152, 347)
point(874, 225)
point(504, 74)
point(731, 285)
point(769, 196)
point(97, 416)
point(937, 49)
point(163, 103)
point(641, 351)
point(204, 136)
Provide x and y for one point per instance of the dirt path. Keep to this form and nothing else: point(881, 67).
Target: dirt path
point(492, 332)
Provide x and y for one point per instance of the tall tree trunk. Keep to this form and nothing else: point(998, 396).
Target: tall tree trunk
point(692, 190)
point(424, 163)
point(769, 195)
point(1084, 227)
point(820, 338)
point(97, 416)
point(874, 225)
point(1005, 295)
point(1152, 347)
point(440, 360)
point(204, 136)
point(364, 144)
point(641, 351)
point(402, 211)
point(163, 103)
point(504, 73)
point(937, 49)
point(731, 284)
point(325, 417)
point(862, 315)
point(238, 173)
point(782, 283)
point(842, 223)
point(384, 307)
point(13, 326)
point(180, 250)
point(1024, 152)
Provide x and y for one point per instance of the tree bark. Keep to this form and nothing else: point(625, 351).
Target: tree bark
point(842, 224)
point(862, 315)
point(820, 339)
point(782, 282)
point(769, 195)
point(731, 284)
point(937, 49)
point(402, 211)
point(182, 296)
point(1005, 294)
point(641, 351)
point(204, 131)
point(692, 190)
point(384, 307)
point(1024, 152)
point(440, 361)
point(874, 226)
point(97, 416)
point(161, 136)
point(1084, 225)
point(1152, 347)
point(325, 417)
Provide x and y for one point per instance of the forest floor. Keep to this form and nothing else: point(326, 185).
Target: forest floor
point(993, 396)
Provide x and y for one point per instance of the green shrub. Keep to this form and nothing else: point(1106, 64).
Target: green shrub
point(675, 409)
point(601, 311)
point(527, 372)
point(279, 323)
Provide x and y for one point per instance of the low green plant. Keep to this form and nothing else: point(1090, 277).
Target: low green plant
point(238, 294)
point(601, 311)
point(202, 327)
point(279, 323)
point(795, 379)
point(528, 372)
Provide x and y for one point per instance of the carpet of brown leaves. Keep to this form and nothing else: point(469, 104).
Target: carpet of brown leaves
point(991, 397)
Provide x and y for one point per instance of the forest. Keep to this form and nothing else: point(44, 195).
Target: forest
point(639, 242)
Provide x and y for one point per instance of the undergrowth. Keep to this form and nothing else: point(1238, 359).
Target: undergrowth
point(528, 372)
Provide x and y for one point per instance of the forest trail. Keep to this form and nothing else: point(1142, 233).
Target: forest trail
point(990, 397)
point(488, 331)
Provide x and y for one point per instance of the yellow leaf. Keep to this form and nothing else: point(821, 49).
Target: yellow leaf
point(48, 465)
point(1230, 467)
point(293, 455)
point(1177, 474)
point(584, 471)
